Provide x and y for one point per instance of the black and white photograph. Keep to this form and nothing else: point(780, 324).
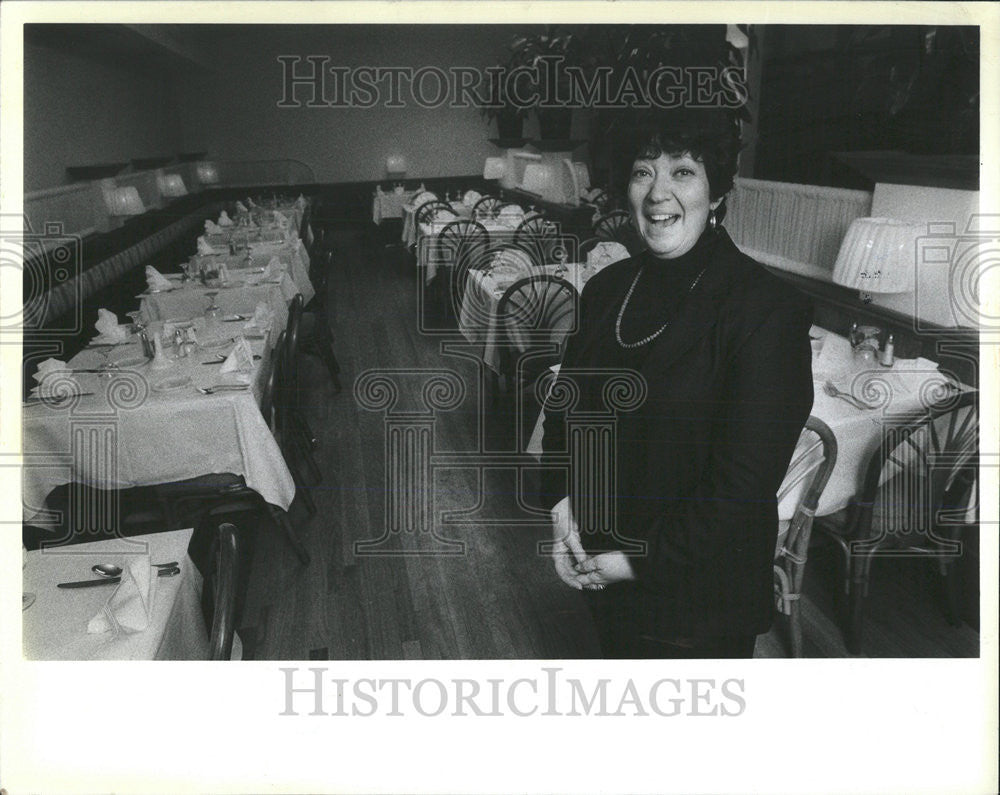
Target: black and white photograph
point(576, 371)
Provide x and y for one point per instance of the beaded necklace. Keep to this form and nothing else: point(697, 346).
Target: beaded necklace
point(621, 313)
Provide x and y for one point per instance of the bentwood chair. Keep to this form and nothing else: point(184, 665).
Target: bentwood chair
point(461, 246)
point(429, 211)
point(318, 338)
point(917, 499)
point(292, 430)
point(541, 237)
point(219, 551)
point(812, 462)
point(535, 316)
point(486, 207)
point(613, 226)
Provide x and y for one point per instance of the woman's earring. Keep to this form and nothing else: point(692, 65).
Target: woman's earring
point(712, 223)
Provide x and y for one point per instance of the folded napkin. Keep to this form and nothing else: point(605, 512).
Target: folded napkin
point(128, 609)
point(271, 272)
point(835, 358)
point(605, 253)
point(262, 318)
point(212, 228)
point(55, 379)
point(916, 375)
point(224, 219)
point(204, 247)
point(109, 328)
point(241, 207)
point(156, 281)
point(239, 360)
point(250, 202)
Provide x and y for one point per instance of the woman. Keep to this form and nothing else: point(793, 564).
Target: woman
point(723, 348)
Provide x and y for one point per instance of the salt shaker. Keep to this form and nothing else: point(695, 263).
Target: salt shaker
point(888, 357)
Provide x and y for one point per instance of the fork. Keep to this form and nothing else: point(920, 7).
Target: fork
point(832, 391)
point(209, 390)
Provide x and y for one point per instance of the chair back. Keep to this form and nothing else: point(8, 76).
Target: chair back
point(613, 226)
point(429, 210)
point(922, 470)
point(462, 245)
point(225, 586)
point(536, 314)
point(267, 394)
point(541, 237)
point(812, 462)
point(305, 230)
point(486, 207)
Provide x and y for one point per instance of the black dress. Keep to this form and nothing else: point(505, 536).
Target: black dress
point(728, 389)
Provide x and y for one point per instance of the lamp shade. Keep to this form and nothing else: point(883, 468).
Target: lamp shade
point(878, 255)
point(208, 174)
point(395, 164)
point(171, 185)
point(123, 201)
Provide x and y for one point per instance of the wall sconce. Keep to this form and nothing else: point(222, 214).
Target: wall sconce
point(878, 255)
point(208, 173)
point(171, 185)
point(395, 167)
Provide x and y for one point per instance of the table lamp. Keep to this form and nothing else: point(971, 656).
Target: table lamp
point(878, 255)
point(395, 167)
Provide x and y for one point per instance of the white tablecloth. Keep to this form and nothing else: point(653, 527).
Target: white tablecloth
point(389, 204)
point(129, 434)
point(478, 316)
point(191, 300)
point(55, 626)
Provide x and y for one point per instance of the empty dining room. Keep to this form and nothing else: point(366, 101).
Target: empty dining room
point(400, 340)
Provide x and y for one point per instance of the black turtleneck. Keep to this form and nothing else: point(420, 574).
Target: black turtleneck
point(661, 289)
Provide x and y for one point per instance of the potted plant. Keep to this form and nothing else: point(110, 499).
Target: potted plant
point(509, 116)
point(540, 54)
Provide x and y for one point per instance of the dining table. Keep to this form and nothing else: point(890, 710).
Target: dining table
point(56, 621)
point(389, 204)
point(140, 422)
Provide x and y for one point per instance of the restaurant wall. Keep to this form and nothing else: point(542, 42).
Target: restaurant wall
point(83, 111)
point(234, 113)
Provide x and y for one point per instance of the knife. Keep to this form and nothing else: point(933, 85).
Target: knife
point(111, 580)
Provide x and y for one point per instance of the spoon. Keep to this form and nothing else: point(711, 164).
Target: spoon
point(832, 391)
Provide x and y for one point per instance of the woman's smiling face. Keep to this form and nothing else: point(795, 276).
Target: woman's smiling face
point(670, 200)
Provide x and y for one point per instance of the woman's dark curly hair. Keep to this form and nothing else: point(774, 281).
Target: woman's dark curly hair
point(711, 136)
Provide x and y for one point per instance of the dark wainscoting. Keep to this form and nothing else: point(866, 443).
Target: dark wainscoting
point(836, 308)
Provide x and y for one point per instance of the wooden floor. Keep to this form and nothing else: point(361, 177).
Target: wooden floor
point(499, 598)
